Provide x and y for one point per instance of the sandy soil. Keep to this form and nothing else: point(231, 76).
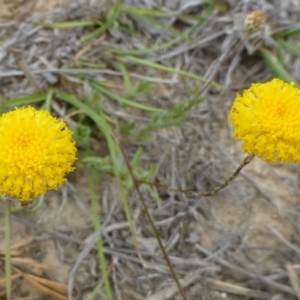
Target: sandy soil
point(18, 9)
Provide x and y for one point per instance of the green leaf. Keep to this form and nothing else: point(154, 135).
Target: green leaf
point(169, 69)
point(65, 25)
point(112, 16)
point(278, 69)
point(82, 136)
point(289, 46)
point(287, 33)
point(135, 160)
point(173, 117)
point(25, 100)
point(123, 100)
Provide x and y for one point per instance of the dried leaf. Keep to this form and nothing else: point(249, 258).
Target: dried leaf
point(15, 249)
point(43, 289)
point(13, 277)
point(54, 285)
point(31, 262)
point(22, 243)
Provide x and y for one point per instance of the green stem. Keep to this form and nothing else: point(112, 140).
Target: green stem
point(154, 65)
point(97, 228)
point(7, 251)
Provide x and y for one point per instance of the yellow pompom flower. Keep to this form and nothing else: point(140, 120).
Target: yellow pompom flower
point(36, 153)
point(267, 120)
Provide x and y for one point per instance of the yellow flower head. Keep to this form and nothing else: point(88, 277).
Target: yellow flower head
point(267, 120)
point(36, 153)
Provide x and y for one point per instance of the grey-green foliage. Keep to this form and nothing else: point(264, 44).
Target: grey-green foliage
point(82, 135)
point(173, 117)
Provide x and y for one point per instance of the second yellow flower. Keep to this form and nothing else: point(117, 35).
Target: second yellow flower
point(267, 120)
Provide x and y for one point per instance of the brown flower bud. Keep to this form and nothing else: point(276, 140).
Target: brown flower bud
point(254, 21)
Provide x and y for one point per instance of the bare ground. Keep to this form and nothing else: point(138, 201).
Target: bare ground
point(19, 9)
point(243, 237)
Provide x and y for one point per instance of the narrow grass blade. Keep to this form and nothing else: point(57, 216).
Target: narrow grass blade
point(40, 203)
point(143, 11)
point(96, 289)
point(89, 64)
point(277, 68)
point(288, 33)
point(114, 150)
point(48, 101)
point(81, 106)
point(100, 30)
point(169, 69)
point(126, 77)
point(100, 162)
point(2, 104)
point(160, 25)
point(96, 223)
point(66, 25)
point(136, 158)
point(99, 285)
point(123, 100)
point(144, 51)
point(28, 74)
point(25, 100)
point(165, 45)
point(112, 16)
point(289, 46)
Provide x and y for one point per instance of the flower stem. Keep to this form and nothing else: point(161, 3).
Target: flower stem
point(245, 162)
point(7, 251)
point(150, 219)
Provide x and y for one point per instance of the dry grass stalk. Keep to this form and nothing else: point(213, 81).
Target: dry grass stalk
point(43, 289)
point(57, 286)
point(294, 279)
point(236, 290)
point(13, 277)
point(23, 265)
